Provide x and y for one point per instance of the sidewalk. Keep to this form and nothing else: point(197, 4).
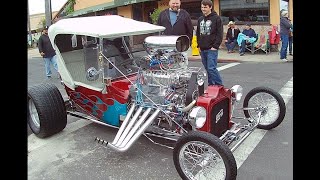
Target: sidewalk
point(223, 56)
point(33, 53)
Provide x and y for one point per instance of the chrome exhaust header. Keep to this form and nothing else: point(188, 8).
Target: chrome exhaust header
point(131, 128)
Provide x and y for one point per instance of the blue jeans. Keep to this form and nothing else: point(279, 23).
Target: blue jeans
point(209, 61)
point(243, 46)
point(230, 44)
point(47, 62)
point(284, 47)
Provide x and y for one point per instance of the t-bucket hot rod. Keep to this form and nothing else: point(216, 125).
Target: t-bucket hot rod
point(154, 94)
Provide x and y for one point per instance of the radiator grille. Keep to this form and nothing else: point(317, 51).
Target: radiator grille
point(220, 117)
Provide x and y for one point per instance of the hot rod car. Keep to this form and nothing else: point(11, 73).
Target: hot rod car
point(152, 93)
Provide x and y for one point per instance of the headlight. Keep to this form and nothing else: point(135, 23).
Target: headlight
point(238, 91)
point(201, 77)
point(197, 116)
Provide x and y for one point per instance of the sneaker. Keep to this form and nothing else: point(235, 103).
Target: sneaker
point(291, 54)
point(284, 59)
point(241, 54)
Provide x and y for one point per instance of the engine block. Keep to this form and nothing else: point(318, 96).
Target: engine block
point(164, 75)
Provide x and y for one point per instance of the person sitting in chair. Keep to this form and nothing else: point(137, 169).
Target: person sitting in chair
point(231, 37)
point(247, 36)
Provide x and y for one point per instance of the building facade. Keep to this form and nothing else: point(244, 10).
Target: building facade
point(241, 11)
point(262, 14)
point(36, 21)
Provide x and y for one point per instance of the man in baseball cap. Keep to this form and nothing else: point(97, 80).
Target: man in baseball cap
point(47, 52)
point(46, 28)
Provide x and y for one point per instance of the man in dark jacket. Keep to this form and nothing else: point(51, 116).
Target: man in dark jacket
point(209, 37)
point(249, 34)
point(176, 21)
point(285, 26)
point(47, 52)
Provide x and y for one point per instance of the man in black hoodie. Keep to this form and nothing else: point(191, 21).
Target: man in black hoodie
point(47, 52)
point(176, 21)
point(209, 37)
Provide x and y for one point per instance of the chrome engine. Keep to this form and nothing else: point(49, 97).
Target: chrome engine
point(164, 77)
point(163, 95)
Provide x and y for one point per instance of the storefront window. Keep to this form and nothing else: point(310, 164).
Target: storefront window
point(193, 7)
point(137, 11)
point(243, 11)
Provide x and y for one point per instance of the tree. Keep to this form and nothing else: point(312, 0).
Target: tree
point(42, 22)
point(70, 6)
point(155, 15)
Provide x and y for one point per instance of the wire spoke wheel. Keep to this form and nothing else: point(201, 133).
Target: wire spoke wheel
point(199, 160)
point(201, 155)
point(267, 104)
point(267, 101)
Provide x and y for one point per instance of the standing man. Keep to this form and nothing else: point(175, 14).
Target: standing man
point(47, 52)
point(176, 21)
point(209, 36)
point(285, 26)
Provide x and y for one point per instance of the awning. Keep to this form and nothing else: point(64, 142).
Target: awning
point(127, 2)
point(109, 5)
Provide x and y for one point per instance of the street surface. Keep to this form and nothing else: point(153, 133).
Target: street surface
point(73, 154)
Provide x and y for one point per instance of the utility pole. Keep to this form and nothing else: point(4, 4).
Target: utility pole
point(48, 12)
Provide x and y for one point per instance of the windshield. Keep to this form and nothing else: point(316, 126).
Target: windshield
point(81, 58)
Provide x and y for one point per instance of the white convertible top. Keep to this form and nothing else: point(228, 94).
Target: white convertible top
point(110, 26)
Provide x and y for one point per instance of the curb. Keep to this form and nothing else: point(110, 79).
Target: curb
point(198, 58)
point(228, 60)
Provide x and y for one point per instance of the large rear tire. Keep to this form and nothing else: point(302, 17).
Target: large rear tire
point(272, 103)
point(201, 155)
point(46, 110)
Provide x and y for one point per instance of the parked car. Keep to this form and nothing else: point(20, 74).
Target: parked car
point(154, 94)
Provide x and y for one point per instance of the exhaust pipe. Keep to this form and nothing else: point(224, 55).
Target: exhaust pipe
point(128, 128)
point(124, 124)
point(131, 129)
point(137, 134)
point(134, 129)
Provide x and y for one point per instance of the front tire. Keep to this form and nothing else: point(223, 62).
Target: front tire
point(201, 155)
point(274, 108)
point(46, 110)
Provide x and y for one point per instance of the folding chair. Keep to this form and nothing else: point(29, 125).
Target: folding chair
point(250, 46)
point(262, 43)
point(274, 37)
